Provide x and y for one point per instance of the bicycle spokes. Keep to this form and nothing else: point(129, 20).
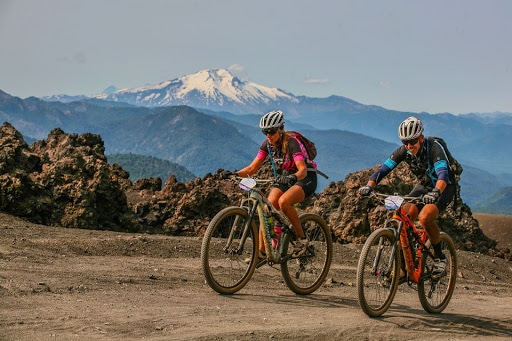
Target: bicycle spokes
point(377, 271)
point(229, 241)
point(233, 248)
point(306, 273)
point(435, 293)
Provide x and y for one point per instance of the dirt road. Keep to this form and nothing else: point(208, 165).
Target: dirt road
point(69, 284)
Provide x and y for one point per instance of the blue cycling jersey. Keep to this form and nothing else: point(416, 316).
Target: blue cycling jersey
point(419, 164)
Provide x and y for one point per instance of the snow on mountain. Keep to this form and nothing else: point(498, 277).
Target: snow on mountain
point(220, 90)
point(216, 89)
point(63, 98)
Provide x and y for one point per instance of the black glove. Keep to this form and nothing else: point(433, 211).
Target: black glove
point(287, 180)
point(432, 197)
point(365, 190)
point(226, 174)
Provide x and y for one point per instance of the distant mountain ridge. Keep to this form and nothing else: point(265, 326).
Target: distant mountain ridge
point(216, 89)
point(220, 90)
point(145, 167)
point(499, 202)
point(144, 120)
point(200, 142)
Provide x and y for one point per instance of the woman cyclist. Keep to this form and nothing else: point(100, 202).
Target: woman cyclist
point(436, 184)
point(297, 178)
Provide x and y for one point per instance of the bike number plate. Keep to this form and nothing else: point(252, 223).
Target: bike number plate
point(247, 184)
point(393, 202)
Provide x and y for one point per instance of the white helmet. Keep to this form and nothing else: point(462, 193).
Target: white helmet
point(273, 119)
point(410, 129)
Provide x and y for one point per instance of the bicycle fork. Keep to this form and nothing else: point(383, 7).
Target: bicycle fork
point(237, 248)
point(386, 272)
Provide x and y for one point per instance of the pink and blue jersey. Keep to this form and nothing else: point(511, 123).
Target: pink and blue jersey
point(286, 161)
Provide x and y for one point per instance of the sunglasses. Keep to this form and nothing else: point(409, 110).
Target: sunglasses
point(410, 142)
point(269, 131)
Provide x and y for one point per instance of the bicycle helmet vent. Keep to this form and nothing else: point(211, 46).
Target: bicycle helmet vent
point(410, 129)
point(273, 119)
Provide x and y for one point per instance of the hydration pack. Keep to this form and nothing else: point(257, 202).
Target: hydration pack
point(455, 167)
point(306, 143)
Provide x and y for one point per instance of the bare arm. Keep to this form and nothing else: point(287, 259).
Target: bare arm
point(302, 170)
point(251, 169)
point(371, 183)
point(441, 185)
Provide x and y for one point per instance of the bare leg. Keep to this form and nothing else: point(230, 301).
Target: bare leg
point(285, 202)
point(412, 211)
point(427, 217)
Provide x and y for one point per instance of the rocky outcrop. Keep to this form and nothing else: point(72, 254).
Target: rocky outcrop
point(186, 209)
point(353, 218)
point(66, 180)
point(20, 195)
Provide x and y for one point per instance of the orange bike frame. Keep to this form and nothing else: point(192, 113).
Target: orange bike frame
point(413, 262)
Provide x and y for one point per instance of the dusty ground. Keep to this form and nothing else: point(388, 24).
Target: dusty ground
point(497, 227)
point(68, 284)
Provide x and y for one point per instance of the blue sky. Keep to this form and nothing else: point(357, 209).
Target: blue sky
point(433, 56)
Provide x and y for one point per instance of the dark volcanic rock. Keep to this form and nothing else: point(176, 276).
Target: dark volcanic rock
point(353, 218)
point(20, 193)
point(66, 180)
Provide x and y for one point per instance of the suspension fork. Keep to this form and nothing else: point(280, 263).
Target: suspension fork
point(376, 261)
point(396, 232)
point(251, 208)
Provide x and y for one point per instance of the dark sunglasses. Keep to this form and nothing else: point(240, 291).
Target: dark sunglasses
point(269, 131)
point(411, 142)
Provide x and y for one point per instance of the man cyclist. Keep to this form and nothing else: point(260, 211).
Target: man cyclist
point(296, 181)
point(436, 183)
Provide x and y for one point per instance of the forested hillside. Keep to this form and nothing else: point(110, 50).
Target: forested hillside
point(145, 167)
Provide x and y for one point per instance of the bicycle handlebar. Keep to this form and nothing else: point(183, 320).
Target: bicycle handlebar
point(393, 202)
point(406, 198)
point(236, 178)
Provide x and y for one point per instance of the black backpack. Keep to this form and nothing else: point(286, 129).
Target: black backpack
point(455, 167)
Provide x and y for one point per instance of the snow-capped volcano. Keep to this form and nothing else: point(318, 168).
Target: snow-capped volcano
point(220, 90)
point(216, 89)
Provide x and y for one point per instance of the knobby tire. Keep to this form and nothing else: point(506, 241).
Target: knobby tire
point(376, 284)
point(224, 266)
point(435, 295)
point(307, 273)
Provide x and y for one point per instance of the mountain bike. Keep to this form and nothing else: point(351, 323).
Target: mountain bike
point(229, 251)
point(380, 262)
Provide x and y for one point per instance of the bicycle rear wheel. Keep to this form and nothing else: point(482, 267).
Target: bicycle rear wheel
point(376, 280)
point(224, 252)
point(436, 294)
point(306, 274)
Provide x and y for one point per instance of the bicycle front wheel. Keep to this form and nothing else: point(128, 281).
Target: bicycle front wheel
point(376, 280)
point(435, 294)
point(305, 274)
point(229, 250)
